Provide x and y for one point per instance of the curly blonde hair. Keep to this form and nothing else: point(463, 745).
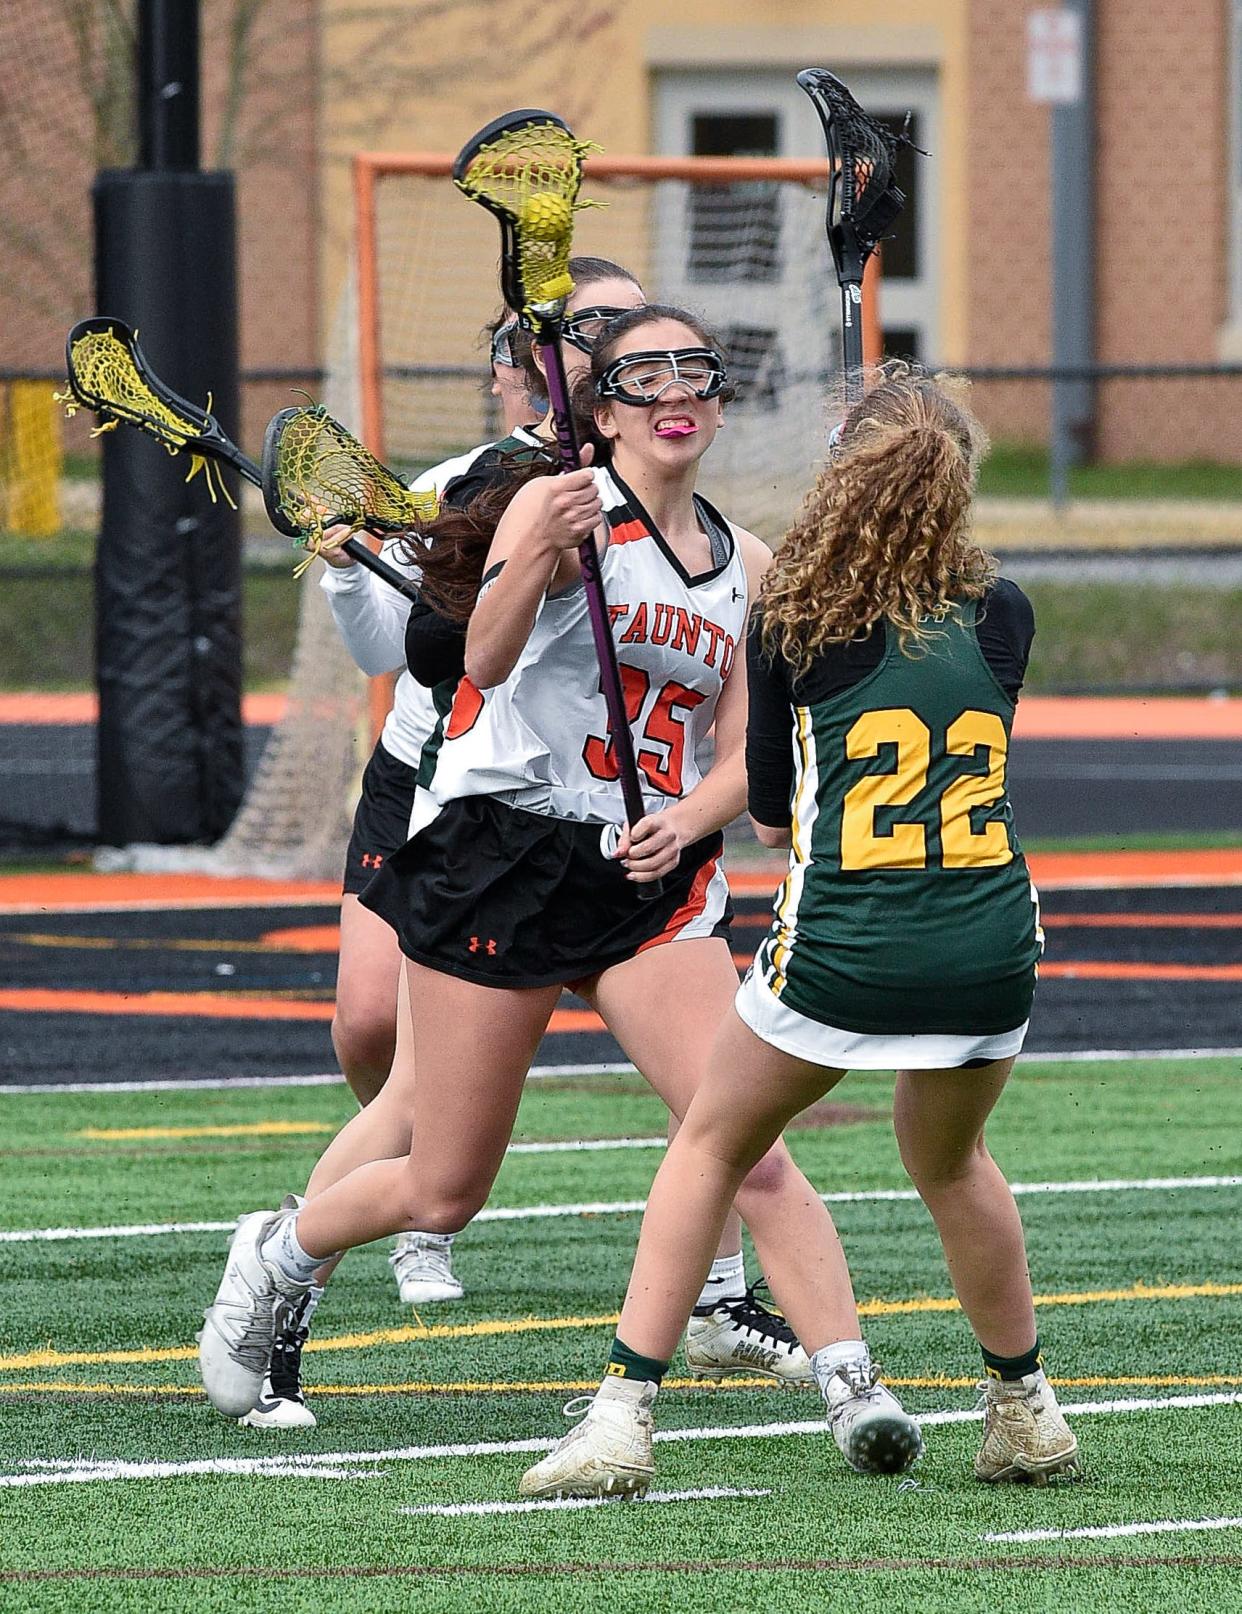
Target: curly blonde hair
point(885, 533)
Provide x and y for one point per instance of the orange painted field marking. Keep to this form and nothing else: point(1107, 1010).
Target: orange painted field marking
point(1041, 717)
point(307, 939)
point(194, 1005)
point(109, 893)
point(38, 707)
point(135, 893)
point(221, 1006)
point(1158, 717)
point(212, 1006)
point(1059, 871)
point(1108, 970)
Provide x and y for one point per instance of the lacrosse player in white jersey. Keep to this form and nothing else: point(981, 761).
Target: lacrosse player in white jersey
point(523, 884)
point(371, 618)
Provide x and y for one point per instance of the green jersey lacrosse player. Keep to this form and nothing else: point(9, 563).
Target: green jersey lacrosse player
point(885, 662)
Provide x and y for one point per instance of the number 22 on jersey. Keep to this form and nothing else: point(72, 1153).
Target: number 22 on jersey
point(905, 847)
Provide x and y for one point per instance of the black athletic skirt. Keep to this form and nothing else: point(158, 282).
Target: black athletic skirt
point(510, 898)
point(382, 821)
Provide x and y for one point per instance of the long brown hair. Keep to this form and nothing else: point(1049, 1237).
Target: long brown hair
point(885, 533)
point(451, 551)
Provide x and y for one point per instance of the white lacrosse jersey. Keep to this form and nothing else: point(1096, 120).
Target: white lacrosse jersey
point(540, 740)
point(371, 616)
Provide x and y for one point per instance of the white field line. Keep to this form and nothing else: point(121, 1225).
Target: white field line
point(629, 1207)
point(209, 1084)
point(62, 1471)
point(588, 1145)
point(457, 1510)
point(1107, 1532)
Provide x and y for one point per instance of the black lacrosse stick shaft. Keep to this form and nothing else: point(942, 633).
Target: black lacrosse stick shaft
point(548, 336)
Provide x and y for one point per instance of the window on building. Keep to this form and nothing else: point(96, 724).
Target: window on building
point(735, 230)
point(901, 250)
point(902, 342)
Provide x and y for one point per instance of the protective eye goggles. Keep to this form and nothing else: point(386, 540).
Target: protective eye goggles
point(644, 378)
point(502, 345)
point(584, 328)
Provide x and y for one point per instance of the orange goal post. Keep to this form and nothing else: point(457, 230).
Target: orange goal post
point(739, 240)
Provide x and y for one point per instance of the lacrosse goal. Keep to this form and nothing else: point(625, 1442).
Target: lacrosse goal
point(738, 240)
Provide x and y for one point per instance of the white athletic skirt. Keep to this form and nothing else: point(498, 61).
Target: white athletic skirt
point(795, 1034)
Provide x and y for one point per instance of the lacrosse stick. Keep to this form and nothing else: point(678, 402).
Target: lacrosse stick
point(863, 200)
point(526, 169)
point(109, 376)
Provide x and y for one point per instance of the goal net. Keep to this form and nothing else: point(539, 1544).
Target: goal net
point(739, 241)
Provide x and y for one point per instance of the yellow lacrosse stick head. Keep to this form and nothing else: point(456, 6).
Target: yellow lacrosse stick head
point(526, 168)
point(109, 376)
point(105, 377)
point(317, 476)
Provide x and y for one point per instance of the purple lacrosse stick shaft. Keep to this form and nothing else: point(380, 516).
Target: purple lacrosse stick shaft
point(601, 626)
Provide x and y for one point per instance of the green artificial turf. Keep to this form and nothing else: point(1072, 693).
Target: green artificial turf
point(1110, 1268)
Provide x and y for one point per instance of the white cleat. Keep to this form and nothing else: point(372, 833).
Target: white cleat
point(239, 1327)
point(1025, 1436)
point(422, 1264)
point(746, 1337)
point(608, 1453)
point(274, 1411)
point(282, 1403)
point(874, 1432)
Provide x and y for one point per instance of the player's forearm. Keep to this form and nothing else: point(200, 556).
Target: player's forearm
point(715, 801)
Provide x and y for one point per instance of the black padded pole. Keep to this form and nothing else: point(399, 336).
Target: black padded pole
point(168, 564)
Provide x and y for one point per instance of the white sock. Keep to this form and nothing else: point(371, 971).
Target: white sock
point(281, 1250)
point(725, 1281)
point(310, 1305)
point(841, 1353)
point(442, 1241)
point(612, 1388)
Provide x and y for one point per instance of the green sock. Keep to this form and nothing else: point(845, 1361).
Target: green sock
point(1012, 1367)
point(623, 1363)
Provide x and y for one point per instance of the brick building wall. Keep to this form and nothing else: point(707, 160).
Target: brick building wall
point(1161, 224)
point(1007, 316)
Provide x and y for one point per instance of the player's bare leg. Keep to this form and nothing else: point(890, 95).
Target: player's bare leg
point(667, 1020)
point(472, 1046)
point(749, 1094)
point(365, 1033)
point(364, 1026)
point(939, 1117)
point(381, 1130)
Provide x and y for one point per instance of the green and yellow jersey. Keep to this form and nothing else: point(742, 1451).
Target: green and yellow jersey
point(908, 906)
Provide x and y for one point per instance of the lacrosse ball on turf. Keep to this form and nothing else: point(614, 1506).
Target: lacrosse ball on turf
point(546, 217)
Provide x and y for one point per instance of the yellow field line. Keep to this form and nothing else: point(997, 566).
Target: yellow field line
point(256, 1129)
point(937, 1381)
point(533, 1325)
point(139, 944)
